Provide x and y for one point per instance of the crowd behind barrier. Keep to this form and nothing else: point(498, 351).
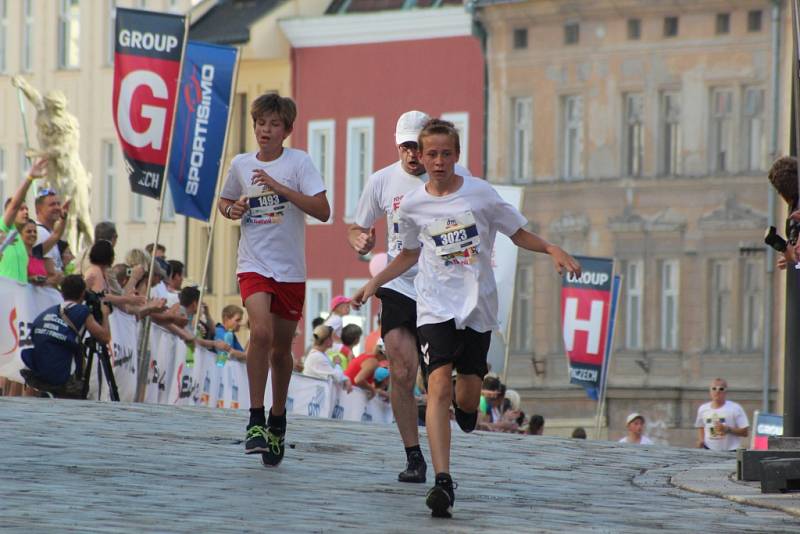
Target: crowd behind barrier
point(169, 379)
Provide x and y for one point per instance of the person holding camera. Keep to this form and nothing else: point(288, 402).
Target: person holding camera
point(57, 335)
point(783, 177)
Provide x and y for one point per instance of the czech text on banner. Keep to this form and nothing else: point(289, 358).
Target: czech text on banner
point(585, 312)
point(201, 122)
point(147, 60)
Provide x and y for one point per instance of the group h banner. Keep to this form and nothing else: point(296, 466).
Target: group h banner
point(201, 122)
point(586, 320)
point(148, 48)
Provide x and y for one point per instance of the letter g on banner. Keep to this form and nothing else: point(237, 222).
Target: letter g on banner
point(154, 134)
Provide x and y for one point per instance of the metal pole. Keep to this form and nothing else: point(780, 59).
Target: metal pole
point(771, 201)
point(144, 355)
point(791, 369)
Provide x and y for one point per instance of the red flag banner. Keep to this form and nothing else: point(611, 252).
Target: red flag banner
point(147, 60)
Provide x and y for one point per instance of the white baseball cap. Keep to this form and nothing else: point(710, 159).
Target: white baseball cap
point(632, 417)
point(409, 125)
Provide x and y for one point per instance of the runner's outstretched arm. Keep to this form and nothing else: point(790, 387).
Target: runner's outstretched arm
point(530, 241)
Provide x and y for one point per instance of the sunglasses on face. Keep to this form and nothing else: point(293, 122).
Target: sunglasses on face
point(718, 388)
point(409, 146)
point(46, 192)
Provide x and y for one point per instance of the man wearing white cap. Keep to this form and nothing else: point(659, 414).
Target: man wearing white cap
point(381, 197)
point(635, 425)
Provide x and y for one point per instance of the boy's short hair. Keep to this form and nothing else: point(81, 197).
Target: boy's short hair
point(783, 177)
point(231, 310)
point(188, 296)
point(274, 103)
point(72, 287)
point(351, 334)
point(316, 321)
point(175, 267)
point(105, 230)
point(440, 127)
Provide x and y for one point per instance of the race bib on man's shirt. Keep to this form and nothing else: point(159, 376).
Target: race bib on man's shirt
point(266, 206)
point(455, 239)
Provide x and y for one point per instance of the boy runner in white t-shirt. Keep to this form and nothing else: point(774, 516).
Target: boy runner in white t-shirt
point(271, 191)
point(449, 225)
point(381, 198)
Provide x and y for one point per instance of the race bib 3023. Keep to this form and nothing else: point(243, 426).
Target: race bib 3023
point(455, 238)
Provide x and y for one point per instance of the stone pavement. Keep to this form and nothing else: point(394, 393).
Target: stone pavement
point(106, 467)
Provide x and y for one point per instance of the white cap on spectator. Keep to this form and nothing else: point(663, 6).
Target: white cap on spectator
point(409, 125)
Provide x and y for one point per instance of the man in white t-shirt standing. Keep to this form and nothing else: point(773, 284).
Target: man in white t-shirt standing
point(381, 198)
point(449, 225)
point(48, 212)
point(721, 424)
point(272, 191)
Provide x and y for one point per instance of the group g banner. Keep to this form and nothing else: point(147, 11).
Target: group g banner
point(764, 426)
point(585, 318)
point(201, 124)
point(147, 59)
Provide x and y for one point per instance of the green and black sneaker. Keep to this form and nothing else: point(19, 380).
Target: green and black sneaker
point(273, 455)
point(256, 440)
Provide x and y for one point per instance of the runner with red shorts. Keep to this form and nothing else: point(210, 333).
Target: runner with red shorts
point(271, 191)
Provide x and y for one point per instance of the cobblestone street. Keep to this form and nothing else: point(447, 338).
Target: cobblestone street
point(100, 467)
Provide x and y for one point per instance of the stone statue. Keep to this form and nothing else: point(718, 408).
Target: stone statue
point(58, 134)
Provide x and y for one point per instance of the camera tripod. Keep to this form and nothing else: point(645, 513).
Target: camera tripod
point(93, 347)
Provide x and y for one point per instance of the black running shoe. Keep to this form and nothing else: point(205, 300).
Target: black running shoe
point(415, 469)
point(466, 421)
point(275, 449)
point(256, 440)
point(440, 498)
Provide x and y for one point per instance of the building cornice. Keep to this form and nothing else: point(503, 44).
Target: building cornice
point(385, 26)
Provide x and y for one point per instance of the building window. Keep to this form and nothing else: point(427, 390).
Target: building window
point(752, 305)
point(24, 163)
point(26, 60)
point(670, 287)
point(362, 316)
point(721, 130)
point(461, 121)
point(109, 179)
point(633, 143)
point(572, 119)
point(671, 134)
point(318, 300)
point(522, 140)
point(723, 23)
point(360, 134)
point(3, 175)
point(522, 326)
point(572, 33)
point(69, 34)
point(321, 148)
point(520, 38)
point(3, 35)
point(137, 208)
point(670, 26)
point(169, 204)
point(754, 21)
point(634, 29)
point(111, 31)
point(755, 139)
point(633, 304)
point(720, 305)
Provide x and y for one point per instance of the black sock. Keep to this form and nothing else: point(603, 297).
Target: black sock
point(257, 417)
point(466, 421)
point(443, 479)
point(278, 422)
point(413, 449)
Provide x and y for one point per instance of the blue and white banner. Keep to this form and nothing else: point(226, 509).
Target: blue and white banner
point(201, 124)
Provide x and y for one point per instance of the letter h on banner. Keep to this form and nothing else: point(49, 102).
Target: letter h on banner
point(593, 325)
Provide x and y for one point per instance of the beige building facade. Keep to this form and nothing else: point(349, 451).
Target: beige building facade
point(642, 131)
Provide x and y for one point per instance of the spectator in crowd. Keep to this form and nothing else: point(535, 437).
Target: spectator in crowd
point(361, 372)
point(41, 270)
point(579, 433)
point(340, 306)
point(161, 250)
point(51, 217)
point(490, 412)
point(121, 273)
point(14, 260)
point(99, 280)
point(67, 257)
point(315, 322)
point(783, 177)
point(372, 338)
point(189, 304)
point(231, 322)
point(720, 423)
point(382, 382)
point(105, 230)
point(635, 425)
point(536, 425)
point(342, 354)
point(318, 365)
point(175, 276)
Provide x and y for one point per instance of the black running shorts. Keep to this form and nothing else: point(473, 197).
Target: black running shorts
point(466, 349)
point(397, 311)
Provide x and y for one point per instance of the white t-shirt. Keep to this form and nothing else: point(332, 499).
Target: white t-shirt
point(334, 320)
point(644, 441)
point(318, 365)
point(42, 235)
point(273, 229)
point(381, 197)
point(730, 414)
point(457, 233)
